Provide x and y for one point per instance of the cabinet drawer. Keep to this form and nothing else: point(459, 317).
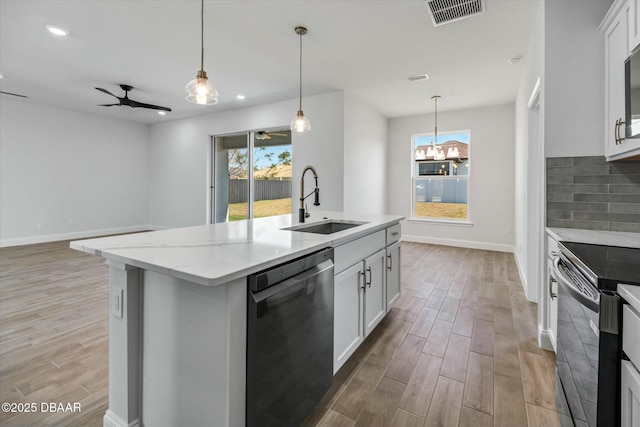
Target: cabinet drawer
point(630, 328)
point(350, 253)
point(393, 234)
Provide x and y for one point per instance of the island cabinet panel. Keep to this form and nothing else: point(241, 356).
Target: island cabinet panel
point(194, 346)
point(362, 299)
point(393, 274)
point(375, 304)
point(348, 314)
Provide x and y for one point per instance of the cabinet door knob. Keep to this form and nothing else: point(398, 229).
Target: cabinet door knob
point(370, 276)
point(390, 266)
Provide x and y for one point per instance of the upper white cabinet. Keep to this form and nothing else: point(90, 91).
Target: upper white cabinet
point(634, 24)
point(616, 50)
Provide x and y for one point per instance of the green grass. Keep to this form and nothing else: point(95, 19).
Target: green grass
point(441, 210)
point(261, 208)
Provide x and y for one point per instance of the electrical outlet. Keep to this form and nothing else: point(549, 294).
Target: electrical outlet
point(116, 307)
point(69, 222)
point(38, 224)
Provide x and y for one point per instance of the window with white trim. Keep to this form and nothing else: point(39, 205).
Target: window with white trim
point(440, 176)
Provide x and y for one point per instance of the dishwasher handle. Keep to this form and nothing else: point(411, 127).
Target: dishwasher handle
point(294, 284)
point(272, 276)
point(592, 304)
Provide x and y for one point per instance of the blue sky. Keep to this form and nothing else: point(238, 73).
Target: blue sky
point(260, 162)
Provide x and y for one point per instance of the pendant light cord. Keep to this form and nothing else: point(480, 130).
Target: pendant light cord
point(300, 107)
point(202, 36)
point(435, 98)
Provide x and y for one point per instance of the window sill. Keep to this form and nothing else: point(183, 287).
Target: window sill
point(443, 221)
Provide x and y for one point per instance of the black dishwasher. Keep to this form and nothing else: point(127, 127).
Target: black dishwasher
point(289, 340)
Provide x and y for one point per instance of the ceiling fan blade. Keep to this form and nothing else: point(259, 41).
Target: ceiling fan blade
point(108, 105)
point(278, 134)
point(136, 104)
point(14, 94)
point(107, 92)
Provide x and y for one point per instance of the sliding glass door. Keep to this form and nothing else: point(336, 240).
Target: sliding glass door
point(251, 175)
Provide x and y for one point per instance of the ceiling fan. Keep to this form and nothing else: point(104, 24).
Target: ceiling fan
point(266, 134)
point(126, 102)
point(13, 94)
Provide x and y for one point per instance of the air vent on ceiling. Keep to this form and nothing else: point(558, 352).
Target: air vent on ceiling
point(447, 11)
point(417, 77)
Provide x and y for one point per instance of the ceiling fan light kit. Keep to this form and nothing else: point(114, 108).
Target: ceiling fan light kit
point(300, 123)
point(200, 90)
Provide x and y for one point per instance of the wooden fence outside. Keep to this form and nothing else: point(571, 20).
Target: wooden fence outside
point(264, 189)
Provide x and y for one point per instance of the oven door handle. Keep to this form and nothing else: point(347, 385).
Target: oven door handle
point(591, 303)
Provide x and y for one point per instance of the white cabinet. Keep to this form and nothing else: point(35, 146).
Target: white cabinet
point(630, 377)
point(630, 404)
point(618, 28)
point(348, 329)
point(359, 305)
point(361, 296)
point(634, 24)
point(551, 294)
point(393, 274)
point(373, 287)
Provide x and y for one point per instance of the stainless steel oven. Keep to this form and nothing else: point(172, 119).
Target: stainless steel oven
point(589, 331)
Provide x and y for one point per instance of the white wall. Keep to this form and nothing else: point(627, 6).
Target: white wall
point(180, 155)
point(574, 78)
point(57, 165)
point(365, 157)
point(529, 160)
point(491, 188)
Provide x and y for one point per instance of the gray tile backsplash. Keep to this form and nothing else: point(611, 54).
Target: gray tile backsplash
point(593, 194)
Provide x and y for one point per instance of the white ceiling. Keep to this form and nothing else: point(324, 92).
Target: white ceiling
point(365, 46)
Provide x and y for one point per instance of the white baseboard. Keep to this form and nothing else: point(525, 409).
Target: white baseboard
point(30, 240)
point(544, 340)
point(523, 279)
point(458, 243)
point(112, 420)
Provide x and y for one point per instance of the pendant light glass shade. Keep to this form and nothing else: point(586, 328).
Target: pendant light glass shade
point(300, 123)
point(200, 90)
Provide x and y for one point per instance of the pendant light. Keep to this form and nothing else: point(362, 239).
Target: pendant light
point(200, 90)
point(300, 123)
point(438, 152)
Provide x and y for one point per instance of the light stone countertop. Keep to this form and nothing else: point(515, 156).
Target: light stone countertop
point(218, 253)
point(609, 238)
point(631, 294)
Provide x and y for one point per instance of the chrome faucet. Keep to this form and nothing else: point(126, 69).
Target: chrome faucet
point(302, 212)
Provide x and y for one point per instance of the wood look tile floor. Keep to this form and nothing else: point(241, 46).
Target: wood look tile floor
point(458, 349)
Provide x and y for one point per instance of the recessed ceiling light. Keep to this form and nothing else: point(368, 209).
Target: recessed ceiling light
point(240, 97)
point(162, 113)
point(57, 30)
point(414, 78)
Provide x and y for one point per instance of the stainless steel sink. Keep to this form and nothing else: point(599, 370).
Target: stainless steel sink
point(328, 227)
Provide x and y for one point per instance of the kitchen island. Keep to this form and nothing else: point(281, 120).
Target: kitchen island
point(178, 309)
